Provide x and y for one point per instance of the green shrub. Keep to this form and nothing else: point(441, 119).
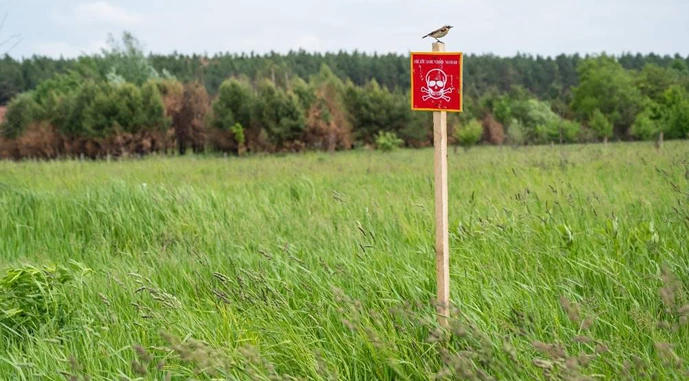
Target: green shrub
point(153, 116)
point(280, 113)
point(21, 111)
point(234, 104)
point(238, 132)
point(469, 134)
point(571, 131)
point(388, 141)
point(601, 124)
point(644, 127)
point(516, 134)
point(675, 113)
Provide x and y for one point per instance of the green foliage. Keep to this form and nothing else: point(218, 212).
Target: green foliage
point(234, 104)
point(374, 108)
point(85, 112)
point(32, 297)
point(516, 133)
point(680, 65)
point(238, 133)
point(81, 107)
point(568, 130)
point(645, 127)
point(387, 141)
point(11, 79)
point(606, 86)
point(654, 80)
point(305, 93)
point(538, 113)
point(469, 134)
point(279, 113)
point(153, 109)
point(51, 92)
point(600, 124)
point(675, 112)
point(537, 122)
point(126, 61)
point(418, 131)
point(336, 99)
point(21, 111)
point(502, 109)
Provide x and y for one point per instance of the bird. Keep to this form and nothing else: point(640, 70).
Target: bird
point(440, 32)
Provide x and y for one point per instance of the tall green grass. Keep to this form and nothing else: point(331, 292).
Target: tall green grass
point(566, 263)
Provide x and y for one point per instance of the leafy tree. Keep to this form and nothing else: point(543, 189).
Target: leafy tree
point(653, 80)
point(539, 122)
point(305, 93)
point(126, 61)
point(675, 112)
point(374, 108)
point(502, 109)
point(234, 104)
point(11, 79)
point(328, 124)
point(91, 111)
point(21, 112)
point(153, 116)
point(601, 125)
point(279, 113)
point(605, 85)
point(644, 127)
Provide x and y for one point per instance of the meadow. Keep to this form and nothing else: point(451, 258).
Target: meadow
point(567, 263)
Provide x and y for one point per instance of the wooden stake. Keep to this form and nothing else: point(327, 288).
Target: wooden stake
point(442, 254)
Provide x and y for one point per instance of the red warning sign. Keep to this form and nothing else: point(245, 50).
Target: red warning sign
point(436, 81)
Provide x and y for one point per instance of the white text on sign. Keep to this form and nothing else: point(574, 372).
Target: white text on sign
point(447, 62)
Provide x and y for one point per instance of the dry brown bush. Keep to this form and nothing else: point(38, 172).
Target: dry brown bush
point(138, 144)
point(222, 141)
point(493, 131)
point(327, 133)
point(39, 141)
point(5, 149)
point(257, 141)
point(189, 120)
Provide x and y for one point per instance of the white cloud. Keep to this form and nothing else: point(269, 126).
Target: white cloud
point(102, 12)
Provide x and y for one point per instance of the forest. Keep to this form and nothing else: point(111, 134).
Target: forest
point(124, 102)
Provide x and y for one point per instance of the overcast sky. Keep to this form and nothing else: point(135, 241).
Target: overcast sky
point(502, 27)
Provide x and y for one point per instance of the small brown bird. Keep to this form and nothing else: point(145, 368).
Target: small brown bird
point(441, 32)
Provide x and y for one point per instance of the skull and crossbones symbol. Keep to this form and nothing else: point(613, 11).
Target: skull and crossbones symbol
point(436, 80)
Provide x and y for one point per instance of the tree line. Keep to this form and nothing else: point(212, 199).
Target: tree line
point(125, 102)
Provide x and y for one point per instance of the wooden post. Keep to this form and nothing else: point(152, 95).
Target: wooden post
point(442, 254)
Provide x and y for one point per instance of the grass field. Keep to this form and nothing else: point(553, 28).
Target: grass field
point(567, 264)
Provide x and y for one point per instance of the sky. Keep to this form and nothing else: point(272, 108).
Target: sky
point(69, 28)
